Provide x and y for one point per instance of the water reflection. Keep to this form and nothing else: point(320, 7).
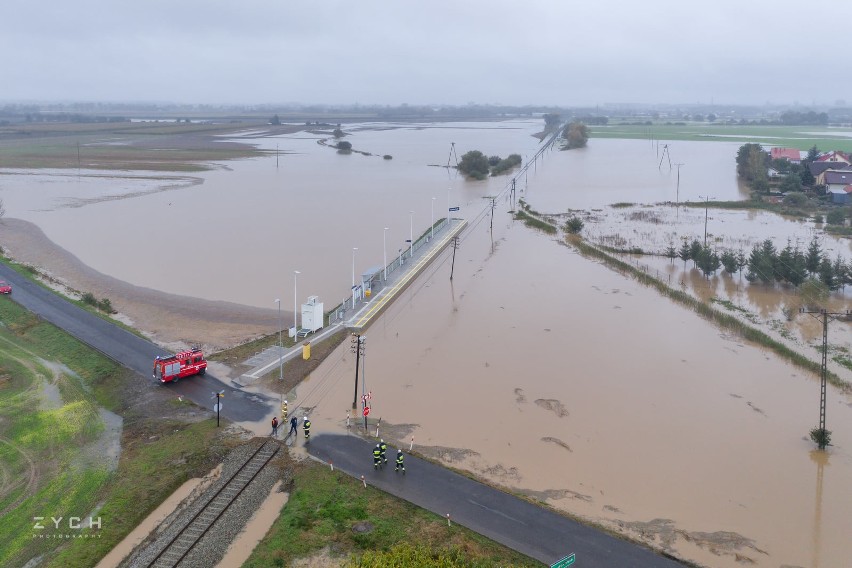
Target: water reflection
point(820, 458)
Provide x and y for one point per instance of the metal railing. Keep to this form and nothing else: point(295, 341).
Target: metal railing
point(376, 279)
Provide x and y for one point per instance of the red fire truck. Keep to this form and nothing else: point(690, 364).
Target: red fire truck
point(179, 365)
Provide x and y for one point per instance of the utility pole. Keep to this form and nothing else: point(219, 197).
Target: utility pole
point(276, 156)
point(493, 204)
point(453, 265)
point(452, 155)
point(677, 199)
point(665, 154)
point(218, 407)
point(825, 317)
point(357, 347)
point(706, 205)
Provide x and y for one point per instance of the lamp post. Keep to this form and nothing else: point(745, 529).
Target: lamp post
point(295, 306)
point(411, 234)
point(448, 205)
point(353, 276)
point(280, 343)
point(385, 251)
point(433, 218)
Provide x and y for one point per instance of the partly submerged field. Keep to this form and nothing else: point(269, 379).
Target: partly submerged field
point(800, 137)
point(146, 146)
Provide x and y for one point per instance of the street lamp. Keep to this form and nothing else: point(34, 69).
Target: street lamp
point(433, 218)
point(411, 234)
point(353, 276)
point(385, 251)
point(295, 305)
point(280, 343)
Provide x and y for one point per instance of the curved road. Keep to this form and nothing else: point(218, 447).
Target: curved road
point(532, 530)
point(131, 351)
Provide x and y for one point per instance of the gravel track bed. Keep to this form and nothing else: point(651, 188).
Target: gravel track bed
point(213, 545)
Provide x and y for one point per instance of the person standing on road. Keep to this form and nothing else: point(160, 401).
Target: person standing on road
point(294, 427)
point(307, 427)
point(274, 426)
point(377, 457)
point(399, 464)
point(384, 448)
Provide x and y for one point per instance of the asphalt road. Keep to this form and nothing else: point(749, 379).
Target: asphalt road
point(132, 351)
point(518, 524)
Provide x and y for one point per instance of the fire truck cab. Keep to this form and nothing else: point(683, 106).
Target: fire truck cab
point(179, 365)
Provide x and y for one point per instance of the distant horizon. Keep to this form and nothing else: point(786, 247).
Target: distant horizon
point(352, 105)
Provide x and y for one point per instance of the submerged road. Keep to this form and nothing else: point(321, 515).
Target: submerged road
point(509, 520)
point(132, 351)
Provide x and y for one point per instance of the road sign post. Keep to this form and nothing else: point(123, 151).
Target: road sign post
point(564, 562)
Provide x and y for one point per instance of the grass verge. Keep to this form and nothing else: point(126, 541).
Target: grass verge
point(325, 506)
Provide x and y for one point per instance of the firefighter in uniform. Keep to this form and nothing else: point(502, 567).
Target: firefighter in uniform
point(377, 457)
point(399, 464)
point(384, 448)
point(307, 427)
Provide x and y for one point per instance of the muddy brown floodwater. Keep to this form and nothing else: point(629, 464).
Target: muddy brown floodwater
point(535, 368)
point(547, 373)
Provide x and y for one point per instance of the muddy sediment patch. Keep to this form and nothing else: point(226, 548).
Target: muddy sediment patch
point(552, 405)
point(557, 441)
point(556, 495)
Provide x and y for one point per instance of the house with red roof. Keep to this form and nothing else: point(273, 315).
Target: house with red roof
point(834, 156)
point(790, 154)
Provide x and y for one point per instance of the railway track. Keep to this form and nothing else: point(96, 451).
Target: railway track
point(183, 541)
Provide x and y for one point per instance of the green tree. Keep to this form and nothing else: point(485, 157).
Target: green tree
point(275, 120)
point(742, 261)
point(752, 161)
point(474, 164)
point(791, 183)
point(574, 225)
point(671, 252)
point(813, 256)
point(826, 274)
point(813, 154)
point(577, 135)
point(835, 217)
point(685, 253)
point(551, 121)
point(814, 294)
point(338, 133)
point(729, 261)
point(841, 271)
point(795, 198)
point(694, 251)
point(493, 160)
point(708, 261)
point(761, 263)
point(344, 146)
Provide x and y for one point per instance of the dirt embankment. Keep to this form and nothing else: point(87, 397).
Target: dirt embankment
point(169, 319)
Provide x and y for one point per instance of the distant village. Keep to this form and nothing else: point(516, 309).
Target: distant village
point(831, 171)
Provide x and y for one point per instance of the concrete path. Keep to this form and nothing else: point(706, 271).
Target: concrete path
point(514, 522)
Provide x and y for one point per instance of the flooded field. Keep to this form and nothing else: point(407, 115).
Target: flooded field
point(535, 368)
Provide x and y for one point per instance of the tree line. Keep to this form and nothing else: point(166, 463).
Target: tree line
point(766, 264)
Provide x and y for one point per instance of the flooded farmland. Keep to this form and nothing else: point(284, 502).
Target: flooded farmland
point(535, 368)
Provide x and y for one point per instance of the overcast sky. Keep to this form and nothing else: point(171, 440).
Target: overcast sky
point(559, 52)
